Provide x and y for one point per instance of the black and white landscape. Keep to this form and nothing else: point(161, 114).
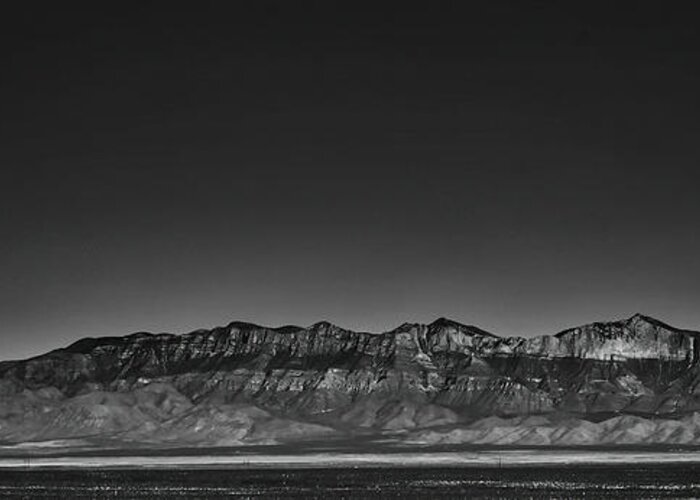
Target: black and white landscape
point(526, 166)
point(629, 382)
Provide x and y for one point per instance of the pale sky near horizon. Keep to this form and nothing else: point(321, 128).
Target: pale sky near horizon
point(521, 166)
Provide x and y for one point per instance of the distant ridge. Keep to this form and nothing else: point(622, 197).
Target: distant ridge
point(439, 323)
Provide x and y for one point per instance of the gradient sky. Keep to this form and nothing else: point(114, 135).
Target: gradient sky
point(521, 166)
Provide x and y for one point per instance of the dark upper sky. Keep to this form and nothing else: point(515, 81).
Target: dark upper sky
point(524, 166)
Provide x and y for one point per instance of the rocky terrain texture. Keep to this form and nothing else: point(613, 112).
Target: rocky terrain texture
point(631, 381)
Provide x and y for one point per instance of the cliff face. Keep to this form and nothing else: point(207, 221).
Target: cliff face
point(245, 382)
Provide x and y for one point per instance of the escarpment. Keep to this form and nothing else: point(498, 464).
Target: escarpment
point(248, 383)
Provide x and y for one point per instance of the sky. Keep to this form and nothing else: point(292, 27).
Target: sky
point(521, 166)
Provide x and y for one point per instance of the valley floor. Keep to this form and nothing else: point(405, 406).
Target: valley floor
point(406, 458)
point(672, 480)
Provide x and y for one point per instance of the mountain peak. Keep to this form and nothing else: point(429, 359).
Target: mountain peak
point(443, 322)
point(641, 319)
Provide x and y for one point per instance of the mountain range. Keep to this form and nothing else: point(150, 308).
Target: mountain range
point(633, 381)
